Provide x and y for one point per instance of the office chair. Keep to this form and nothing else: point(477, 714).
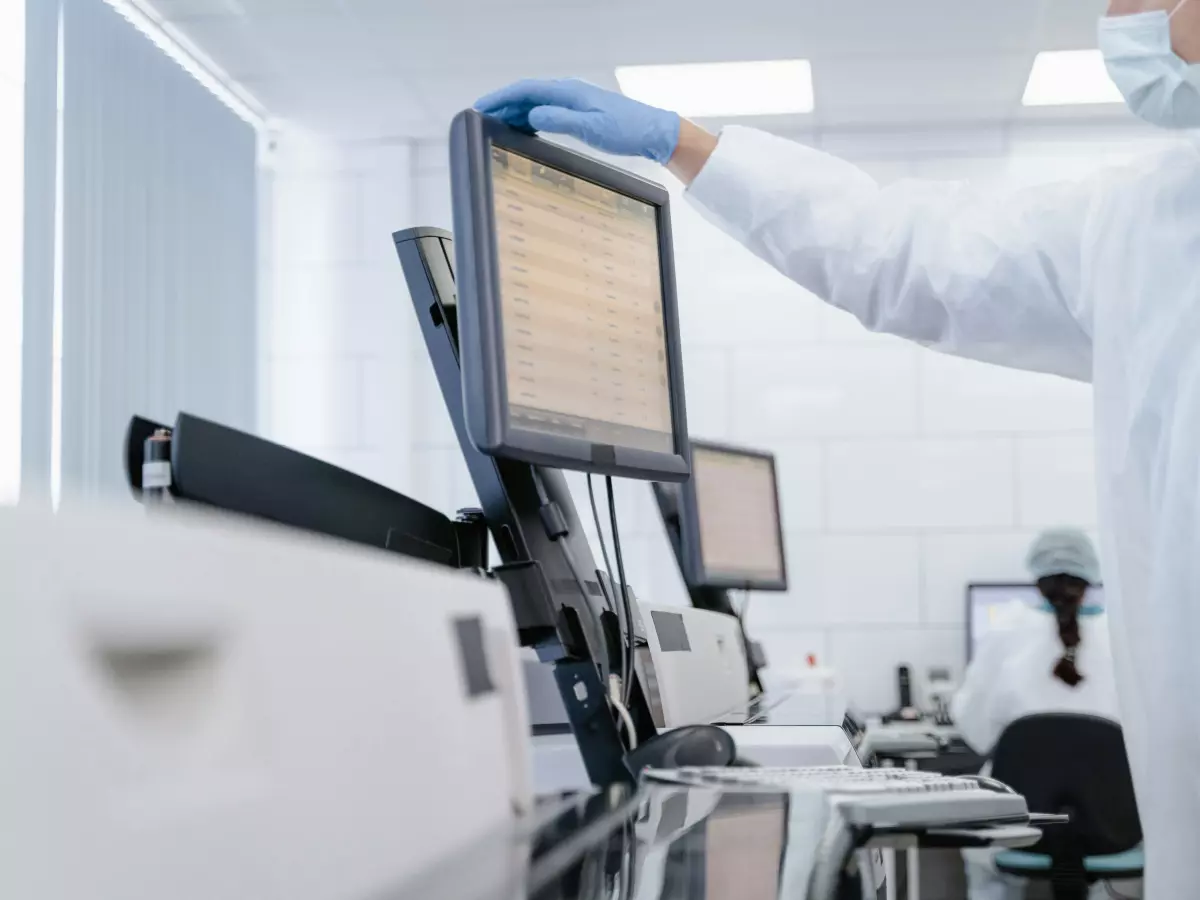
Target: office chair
point(1072, 764)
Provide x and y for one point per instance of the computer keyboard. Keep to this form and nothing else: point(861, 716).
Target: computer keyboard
point(881, 797)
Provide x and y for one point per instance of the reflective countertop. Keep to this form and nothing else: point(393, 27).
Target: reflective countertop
point(666, 843)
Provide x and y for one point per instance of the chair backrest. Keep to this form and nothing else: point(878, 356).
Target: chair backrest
point(1074, 764)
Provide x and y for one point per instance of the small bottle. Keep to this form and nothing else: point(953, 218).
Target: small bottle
point(156, 468)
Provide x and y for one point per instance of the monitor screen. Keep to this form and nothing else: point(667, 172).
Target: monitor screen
point(989, 604)
point(572, 307)
point(744, 848)
point(733, 504)
point(581, 307)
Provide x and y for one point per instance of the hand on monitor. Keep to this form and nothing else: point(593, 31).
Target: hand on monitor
point(604, 120)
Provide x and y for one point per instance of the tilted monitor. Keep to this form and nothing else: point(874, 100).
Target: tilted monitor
point(730, 521)
point(567, 308)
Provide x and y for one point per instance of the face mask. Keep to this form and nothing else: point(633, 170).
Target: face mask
point(1158, 86)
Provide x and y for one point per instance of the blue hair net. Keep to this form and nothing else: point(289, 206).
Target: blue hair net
point(1063, 551)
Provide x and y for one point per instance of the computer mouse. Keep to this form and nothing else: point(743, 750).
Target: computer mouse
point(990, 784)
point(690, 745)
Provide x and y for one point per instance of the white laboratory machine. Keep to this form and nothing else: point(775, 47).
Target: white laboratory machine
point(199, 708)
point(691, 668)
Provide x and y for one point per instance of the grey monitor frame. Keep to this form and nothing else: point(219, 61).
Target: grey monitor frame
point(489, 427)
point(689, 518)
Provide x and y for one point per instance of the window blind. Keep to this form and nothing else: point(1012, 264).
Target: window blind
point(159, 259)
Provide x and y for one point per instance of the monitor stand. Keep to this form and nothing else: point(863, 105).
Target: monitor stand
point(576, 634)
point(711, 599)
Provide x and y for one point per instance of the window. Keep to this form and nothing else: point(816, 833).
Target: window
point(12, 227)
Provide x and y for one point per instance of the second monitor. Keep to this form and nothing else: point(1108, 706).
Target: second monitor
point(730, 521)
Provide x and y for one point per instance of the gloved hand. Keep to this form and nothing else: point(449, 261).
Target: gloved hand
point(602, 119)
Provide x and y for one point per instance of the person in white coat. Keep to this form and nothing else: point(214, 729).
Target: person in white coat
point(1052, 658)
point(1097, 281)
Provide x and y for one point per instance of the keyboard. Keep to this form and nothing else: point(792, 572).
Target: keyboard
point(880, 797)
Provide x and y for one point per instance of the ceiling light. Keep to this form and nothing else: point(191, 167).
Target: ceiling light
point(1070, 78)
point(764, 88)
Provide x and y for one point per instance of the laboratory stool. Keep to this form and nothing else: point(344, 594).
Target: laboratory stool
point(1064, 763)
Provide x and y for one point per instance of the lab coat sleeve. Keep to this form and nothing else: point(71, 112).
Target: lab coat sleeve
point(977, 708)
point(991, 279)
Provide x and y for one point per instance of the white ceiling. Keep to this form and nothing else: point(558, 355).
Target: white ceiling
point(402, 68)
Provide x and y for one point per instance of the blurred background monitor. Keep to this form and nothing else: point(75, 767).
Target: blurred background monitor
point(730, 522)
point(987, 604)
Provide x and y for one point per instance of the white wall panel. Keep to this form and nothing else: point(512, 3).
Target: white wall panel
point(920, 484)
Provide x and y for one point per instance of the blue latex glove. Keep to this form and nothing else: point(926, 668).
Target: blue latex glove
point(602, 119)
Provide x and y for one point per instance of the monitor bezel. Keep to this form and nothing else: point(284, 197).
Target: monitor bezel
point(489, 427)
point(689, 521)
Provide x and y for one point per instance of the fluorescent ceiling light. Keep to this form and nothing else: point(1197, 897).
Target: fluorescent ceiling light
point(1070, 78)
point(764, 88)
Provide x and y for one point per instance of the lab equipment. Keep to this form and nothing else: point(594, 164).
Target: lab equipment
point(1040, 756)
point(206, 463)
point(902, 797)
point(690, 671)
point(207, 711)
point(567, 307)
point(560, 599)
point(991, 605)
point(939, 692)
point(602, 119)
point(514, 492)
point(714, 599)
point(906, 711)
point(733, 498)
point(690, 665)
point(732, 527)
point(1157, 84)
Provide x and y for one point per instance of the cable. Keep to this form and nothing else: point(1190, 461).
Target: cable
point(745, 605)
point(629, 630)
point(614, 694)
point(1112, 892)
point(626, 634)
point(625, 666)
point(604, 553)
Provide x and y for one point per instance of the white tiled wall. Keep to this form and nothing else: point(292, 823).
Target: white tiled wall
point(904, 474)
point(337, 325)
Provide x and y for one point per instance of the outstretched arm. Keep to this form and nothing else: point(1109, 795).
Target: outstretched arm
point(995, 279)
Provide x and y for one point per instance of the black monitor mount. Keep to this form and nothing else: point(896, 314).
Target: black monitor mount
point(537, 532)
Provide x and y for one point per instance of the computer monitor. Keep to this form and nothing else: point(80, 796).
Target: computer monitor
point(729, 516)
point(567, 307)
point(987, 605)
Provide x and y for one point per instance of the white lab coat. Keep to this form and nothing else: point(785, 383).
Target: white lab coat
point(1012, 676)
point(1097, 281)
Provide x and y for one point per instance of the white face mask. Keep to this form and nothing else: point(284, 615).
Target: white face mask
point(1158, 86)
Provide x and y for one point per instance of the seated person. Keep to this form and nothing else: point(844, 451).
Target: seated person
point(1052, 658)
